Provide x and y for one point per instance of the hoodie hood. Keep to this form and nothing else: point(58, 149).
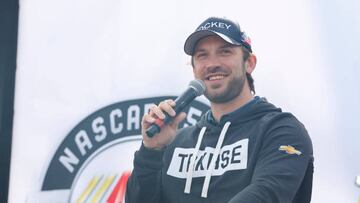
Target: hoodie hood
point(253, 110)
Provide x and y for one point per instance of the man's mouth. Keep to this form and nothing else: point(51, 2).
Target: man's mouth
point(215, 77)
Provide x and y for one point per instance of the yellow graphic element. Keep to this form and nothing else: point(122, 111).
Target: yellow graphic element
point(289, 149)
point(91, 186)
point(102, 189)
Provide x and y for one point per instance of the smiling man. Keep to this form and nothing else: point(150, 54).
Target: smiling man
point(244, 150)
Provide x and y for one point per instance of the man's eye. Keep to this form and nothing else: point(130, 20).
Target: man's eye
point(225, 51)
point(200, 55)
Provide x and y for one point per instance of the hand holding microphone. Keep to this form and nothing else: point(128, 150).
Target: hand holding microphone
point(167, 115)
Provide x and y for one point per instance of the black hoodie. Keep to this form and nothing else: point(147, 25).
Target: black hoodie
point(263, 155)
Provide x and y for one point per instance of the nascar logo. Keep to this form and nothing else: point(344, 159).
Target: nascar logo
point(93, 161)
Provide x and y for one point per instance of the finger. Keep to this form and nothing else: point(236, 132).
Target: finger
point(156, 111)
point(171, 102)
point(149, 109)
point(167, 107)
point(180, 117)
point(148, 119)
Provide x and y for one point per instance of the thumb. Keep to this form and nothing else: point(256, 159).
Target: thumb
point(180, 117)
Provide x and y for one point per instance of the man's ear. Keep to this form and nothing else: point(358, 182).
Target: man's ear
point(250, 63)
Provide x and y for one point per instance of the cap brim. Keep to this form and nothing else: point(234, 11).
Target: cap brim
point(192, 40)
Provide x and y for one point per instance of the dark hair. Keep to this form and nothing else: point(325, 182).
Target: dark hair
point(250, 79)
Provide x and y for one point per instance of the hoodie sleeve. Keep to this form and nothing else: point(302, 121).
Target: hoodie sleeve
point(284, 157)
point(144, 184)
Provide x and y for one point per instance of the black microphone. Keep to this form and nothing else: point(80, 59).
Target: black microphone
point(196, 88)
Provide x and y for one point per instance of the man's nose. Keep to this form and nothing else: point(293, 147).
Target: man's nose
point(212, 62)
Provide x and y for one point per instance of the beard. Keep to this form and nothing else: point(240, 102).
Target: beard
point(233, 89)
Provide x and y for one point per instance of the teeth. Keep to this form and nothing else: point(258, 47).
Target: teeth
point(216, 77)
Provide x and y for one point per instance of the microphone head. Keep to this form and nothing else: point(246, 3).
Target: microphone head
point(198, 86)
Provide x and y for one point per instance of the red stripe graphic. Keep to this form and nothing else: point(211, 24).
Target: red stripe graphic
point(117, 195)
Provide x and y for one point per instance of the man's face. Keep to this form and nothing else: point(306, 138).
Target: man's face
point(221, 66)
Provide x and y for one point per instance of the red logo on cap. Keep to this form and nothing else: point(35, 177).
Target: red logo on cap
point(246, 39)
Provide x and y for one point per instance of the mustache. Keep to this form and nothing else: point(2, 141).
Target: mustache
point(216, 69)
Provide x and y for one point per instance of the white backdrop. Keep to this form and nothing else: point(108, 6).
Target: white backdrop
point(76, 56)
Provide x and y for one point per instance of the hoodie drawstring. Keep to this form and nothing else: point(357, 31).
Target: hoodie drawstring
point(211, 167)
point(192, 161)
point(213, 160)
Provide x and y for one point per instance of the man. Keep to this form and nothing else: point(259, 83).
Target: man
point(244, 150)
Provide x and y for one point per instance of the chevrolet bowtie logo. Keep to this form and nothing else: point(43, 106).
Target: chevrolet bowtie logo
point(289, 149)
